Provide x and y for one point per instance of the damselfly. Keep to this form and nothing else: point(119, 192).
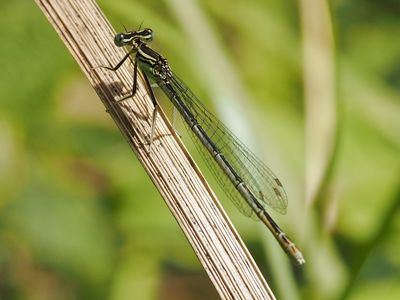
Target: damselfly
point(247, 181)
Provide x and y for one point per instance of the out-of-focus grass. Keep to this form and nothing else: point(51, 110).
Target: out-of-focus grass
point(79, 217)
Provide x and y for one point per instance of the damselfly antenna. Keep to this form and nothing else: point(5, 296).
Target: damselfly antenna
point(140, 26)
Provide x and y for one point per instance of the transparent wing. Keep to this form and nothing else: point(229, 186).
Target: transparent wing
point(264, 185)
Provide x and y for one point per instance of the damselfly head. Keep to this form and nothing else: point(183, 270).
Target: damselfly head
point(132, 37)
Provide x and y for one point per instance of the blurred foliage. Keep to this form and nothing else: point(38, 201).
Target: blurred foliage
point(79, 218)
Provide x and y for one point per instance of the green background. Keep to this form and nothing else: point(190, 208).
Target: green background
point(80, 219)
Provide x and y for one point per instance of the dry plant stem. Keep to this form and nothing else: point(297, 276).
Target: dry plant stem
point(89, 37)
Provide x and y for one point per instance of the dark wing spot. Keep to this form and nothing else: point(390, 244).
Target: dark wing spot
point(278, 182)
point(277, 192)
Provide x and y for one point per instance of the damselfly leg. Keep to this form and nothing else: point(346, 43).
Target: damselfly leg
point(155, 104)
point(118, 65)
point(134, 90)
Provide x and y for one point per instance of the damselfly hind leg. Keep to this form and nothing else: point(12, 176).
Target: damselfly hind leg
point(153, 123)
point(155, 110)
point(134, 83)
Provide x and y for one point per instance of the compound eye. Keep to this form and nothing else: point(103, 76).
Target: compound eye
point(119, 39)
point(148, 34)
